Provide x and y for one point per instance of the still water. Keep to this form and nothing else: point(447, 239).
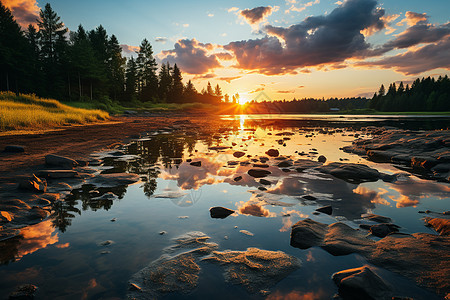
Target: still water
point(66, 258)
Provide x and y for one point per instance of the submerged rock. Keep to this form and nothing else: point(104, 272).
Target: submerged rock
point(33, 184)
point(220, 212)
point(377, 218)
point(14, 149)
point(254, 268)
point(258, 173)
point(361, 283)
point(384, 229)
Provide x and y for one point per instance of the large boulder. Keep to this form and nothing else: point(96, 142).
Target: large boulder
point(353, 173)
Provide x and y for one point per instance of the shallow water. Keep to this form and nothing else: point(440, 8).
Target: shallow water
point(64, 257)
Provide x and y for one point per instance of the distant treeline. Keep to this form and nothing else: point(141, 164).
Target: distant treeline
point(426, 94)
point(86, 65)
point(307, 105)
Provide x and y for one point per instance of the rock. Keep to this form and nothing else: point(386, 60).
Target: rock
point(196, 163)
point(60, 161)
point(284, 164)
point(421, 257)
point(261, 188)
point(254, 268)
point(220, 212)
point(246, 232)
point(257, 173)
point(168, 274)
point(353, 173)
point(361, 283)
point(237, 178)
point(238, 154)
point(303, 164)
point(442, 226)
point(23, 292)
point(325, 209)
point(218, 148)
point(114, 179)
point(273, 152)
point(384, 229)
point(260, 165)
point(376, 218)
point(5, 217)
point(162, 232)
point(309, 197)
point(322, 159)
point(14, 149)
point(52, 174)
point(34, 184)
point(265, 182)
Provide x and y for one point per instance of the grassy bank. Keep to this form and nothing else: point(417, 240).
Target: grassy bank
point(19, 112)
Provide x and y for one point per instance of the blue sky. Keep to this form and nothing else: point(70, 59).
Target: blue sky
point(289, 63)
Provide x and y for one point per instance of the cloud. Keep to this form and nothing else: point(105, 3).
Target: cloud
point(256, 90)
point(331, 38)
point(192, 56)
point(285, 91)
point(24, 11)
point(127, 49)
point(413, 62)
point(229, 79)
point(301, 7)
point(232, 9)
point(204, 76)
point(161, 39)
point(224, 56)
point(254, 208)
point(419, 33)
point(186, 25)
point(256, 15)
point(210, 15)
point(412, 18)
point(300, 86)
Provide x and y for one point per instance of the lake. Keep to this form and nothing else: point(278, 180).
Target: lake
point(92, 245)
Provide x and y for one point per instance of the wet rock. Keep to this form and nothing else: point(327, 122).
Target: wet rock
point(309, 197)
point(54, 174)
point(254, 268)
point(322, 159)
point(172, 273)
point(257, 173)
point(442, 226)
point(34, 184)
point(272, 152)
point(106, 243)
point(421, 257)
point(261, 188)
point(14, 149)
point(384, 229)
point(238, 154)
point(23, 292)
point(353, 173)
point(377, 218)
point(218, 148)
point(237, 178)
point(325, 209)
point(114, 179)
point(196, 163)
point(303, 164)
point(284, 164)
point(361, 283)
point(246, 232)
point(220, 212)
point(60, 161)
point(265, 182)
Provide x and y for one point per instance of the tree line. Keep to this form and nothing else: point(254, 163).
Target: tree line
point(86, 65)
point(426, 94)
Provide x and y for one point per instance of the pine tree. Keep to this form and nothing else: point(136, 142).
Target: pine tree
point(147, 66)
point(116, 69)
point(165, 81)
point(176, 92)
point(218, 91)
point(131, 80)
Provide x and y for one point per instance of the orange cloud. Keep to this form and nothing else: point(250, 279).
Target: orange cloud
point(25, 11)
point(412, 18)
point(36, 237)
point(255, 209)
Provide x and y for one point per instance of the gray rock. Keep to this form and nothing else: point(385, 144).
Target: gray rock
point(60, 161)
point(54, 174)
point(361, 283)
point(384, 229)
point(220, 212)
point(353, 173)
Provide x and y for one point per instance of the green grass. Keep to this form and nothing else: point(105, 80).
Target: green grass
point(23, 112)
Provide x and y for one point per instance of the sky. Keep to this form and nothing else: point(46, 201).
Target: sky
point(288, 48)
